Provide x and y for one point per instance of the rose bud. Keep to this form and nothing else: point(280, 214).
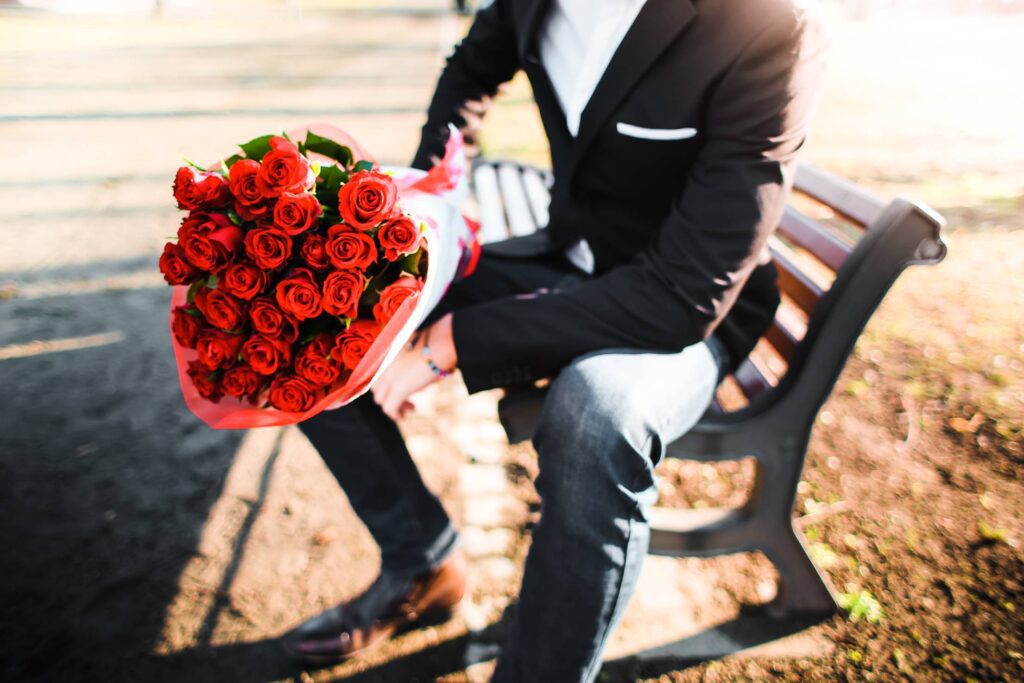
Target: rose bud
point(367, 199)
point(185, 326)
point(218, 349)
point(205, 381)
point(222, 310)
point(209, 240)
point(249, 201)
point(314, 251)
point(199, 190)
point(348, 248)
point(313, 362)
point(351, 345)
point(283, 169)
point(295, 213)
point(242, 381)
point(269, 320)
point(244, 279)
point(393, 296)
point(268, 247)
point(342, 290)
point(299, 295)
point(175, 266)
point(398, 237)
point(292, 394)
point(265, 355)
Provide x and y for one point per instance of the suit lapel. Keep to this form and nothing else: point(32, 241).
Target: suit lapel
point(657, 25)
point(528, 34)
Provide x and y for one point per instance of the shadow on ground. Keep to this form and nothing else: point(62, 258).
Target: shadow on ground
point(105, 480)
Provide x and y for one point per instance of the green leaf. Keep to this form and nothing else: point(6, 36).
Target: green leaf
point(235, 218)
point(329, 182)
point(193, 288)
point(329, 148)
point(194, 164)
point(230, 161)
point(363, 165)
point(411, 263)
point(257, 148)
point(211, 282)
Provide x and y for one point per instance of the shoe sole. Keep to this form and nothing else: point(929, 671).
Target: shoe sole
point(432, 617)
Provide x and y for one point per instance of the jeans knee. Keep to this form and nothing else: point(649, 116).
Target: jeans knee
point(592, 440)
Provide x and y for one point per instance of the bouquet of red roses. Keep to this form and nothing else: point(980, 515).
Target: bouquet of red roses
point(299, 271)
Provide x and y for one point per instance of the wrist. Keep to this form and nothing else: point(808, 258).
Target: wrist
point(442, 345)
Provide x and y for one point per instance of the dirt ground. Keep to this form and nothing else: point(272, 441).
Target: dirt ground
point(140, 545)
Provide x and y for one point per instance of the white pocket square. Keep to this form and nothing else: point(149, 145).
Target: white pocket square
point(655, 133)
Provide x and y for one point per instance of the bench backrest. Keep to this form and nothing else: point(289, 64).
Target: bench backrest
point(837, 250)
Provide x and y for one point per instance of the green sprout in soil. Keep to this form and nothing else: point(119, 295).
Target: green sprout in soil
point(993, 534)
point(862, 605)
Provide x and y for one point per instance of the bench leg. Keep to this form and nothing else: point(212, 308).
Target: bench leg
point(802, 588)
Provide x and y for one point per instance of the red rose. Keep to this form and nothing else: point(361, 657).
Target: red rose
point(283, 169)
point(299, 294)
point(297, 213)
point(314, 363)
point(342, 290)
point(399, 236)
point(393, 296)
point(209, 239)
point(205, 381)
point(242, 381)
point(218, 349)
point(351, 345)
point(249, 201)
point(175, 266)
point(244, 279)
point(198, 190)
point(348, 248)
point(271, 321)
point(265, 355)
point(292, 394)
point(222, 310)
point(367, 199)
point(268, 247)
point(313, 251)
point(186, 325)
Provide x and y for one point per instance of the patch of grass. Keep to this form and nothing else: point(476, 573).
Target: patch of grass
point(993, 534)
point(862, 605)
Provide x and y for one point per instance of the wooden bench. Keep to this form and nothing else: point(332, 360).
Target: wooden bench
point(838, 249)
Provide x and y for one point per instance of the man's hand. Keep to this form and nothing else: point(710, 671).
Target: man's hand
point(410, 372)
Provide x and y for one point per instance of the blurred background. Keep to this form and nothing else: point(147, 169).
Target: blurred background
point(140, 545)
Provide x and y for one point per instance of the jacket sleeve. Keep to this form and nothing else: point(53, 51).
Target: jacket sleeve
point(681, 285)
point(486, 58)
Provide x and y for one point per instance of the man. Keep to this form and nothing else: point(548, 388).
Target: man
point(673, 126)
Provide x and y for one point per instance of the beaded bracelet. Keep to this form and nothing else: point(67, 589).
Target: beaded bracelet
point(432, 365)
point(427, 355)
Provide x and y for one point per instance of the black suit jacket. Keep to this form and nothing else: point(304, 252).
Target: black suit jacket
point(678, 227)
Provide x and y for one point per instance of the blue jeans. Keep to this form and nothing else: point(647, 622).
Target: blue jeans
point(606, 421)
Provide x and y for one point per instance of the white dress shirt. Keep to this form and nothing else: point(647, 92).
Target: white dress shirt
point(576, 44)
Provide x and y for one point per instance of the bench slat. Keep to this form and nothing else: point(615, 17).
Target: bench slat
point(782, 337)
point(492, 215)
point(520, 219)
point(538, 195)
point(792, 280)
point(839, 194)
point(752, 379)
point(815, 238)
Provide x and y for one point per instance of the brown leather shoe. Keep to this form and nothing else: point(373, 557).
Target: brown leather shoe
point(390, 604)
